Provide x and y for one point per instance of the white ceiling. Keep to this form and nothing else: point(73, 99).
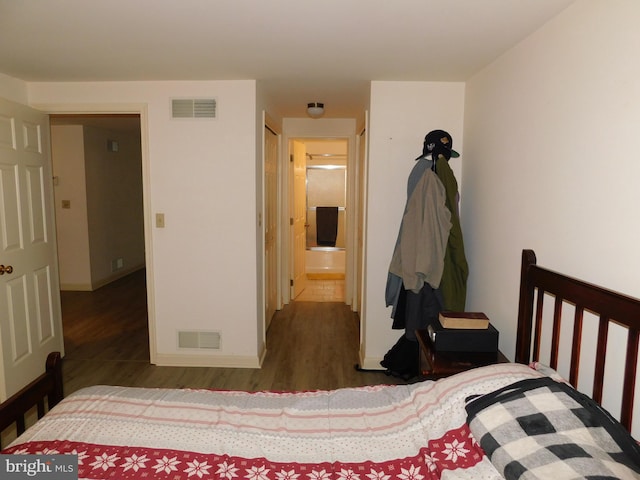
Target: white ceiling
point(301, 50)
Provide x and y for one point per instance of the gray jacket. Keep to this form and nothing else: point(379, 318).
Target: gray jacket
point(418, 256)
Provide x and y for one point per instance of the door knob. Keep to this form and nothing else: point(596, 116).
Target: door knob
point(8, 269)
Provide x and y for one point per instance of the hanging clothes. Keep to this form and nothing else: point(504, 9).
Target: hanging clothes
point(418, 256)
point(456, 270)
point(428, 257)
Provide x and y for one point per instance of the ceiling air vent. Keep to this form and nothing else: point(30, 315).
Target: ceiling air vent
point(193, 108)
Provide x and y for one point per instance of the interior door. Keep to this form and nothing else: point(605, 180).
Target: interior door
point(30, 315)
point(299, 217)
point(271, 223)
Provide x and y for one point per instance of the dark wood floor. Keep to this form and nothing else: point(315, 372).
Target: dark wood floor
point(309, 346)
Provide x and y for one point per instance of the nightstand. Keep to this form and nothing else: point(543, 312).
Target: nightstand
point(435, 364)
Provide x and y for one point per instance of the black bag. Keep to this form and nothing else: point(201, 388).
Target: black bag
point(402, 359)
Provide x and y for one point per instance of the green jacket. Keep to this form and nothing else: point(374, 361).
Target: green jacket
point(454, 278)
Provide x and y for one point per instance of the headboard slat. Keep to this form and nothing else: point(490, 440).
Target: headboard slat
point(538, 334)
point(555, 336)
point(603, 335)
point(574, 368)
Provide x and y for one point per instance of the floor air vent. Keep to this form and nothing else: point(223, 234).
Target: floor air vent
point(193, 108)
point(206, 340)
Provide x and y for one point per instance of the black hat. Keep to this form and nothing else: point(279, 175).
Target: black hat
point(438, 142)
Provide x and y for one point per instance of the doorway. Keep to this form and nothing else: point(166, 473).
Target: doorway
point(98, 196)
point(321, 198)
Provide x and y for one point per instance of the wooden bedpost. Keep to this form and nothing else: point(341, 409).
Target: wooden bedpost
point(54, 368)
point(525, 309)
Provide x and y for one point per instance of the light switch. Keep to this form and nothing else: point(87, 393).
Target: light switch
point(66, 203)
point(159, 220)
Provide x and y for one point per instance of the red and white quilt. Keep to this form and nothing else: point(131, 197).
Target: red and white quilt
point(409, 432)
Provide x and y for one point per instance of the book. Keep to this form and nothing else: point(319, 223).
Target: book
point(464, 320)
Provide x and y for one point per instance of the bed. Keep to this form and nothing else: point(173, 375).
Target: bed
point(511, 420)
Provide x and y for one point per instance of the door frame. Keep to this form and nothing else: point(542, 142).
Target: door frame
point(141, 110)
point(337, 132)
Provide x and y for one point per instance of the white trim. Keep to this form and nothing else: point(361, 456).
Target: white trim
point(313, 129)
point(90, 287)
point(142, 110)
point(371, 363)
point(362, 162)
point(221, 361)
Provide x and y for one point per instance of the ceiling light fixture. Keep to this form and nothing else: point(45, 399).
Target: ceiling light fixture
point(315, 109)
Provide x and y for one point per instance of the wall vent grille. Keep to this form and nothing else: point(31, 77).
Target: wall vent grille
point(205, 340)
point(193, 107)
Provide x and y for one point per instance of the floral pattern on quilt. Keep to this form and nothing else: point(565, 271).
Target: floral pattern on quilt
point(456, 449)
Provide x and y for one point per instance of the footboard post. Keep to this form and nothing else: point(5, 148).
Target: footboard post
point(54, 368)
point(525, 310)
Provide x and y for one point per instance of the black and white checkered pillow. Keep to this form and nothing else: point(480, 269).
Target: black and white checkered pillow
point(540, 428)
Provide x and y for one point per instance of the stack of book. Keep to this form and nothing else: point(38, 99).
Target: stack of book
point(463, 331)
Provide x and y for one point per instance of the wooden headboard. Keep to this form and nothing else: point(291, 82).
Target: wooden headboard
point(538, 283)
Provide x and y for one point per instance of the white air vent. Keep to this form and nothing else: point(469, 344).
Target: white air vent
point(193, 108)
point(191, 339)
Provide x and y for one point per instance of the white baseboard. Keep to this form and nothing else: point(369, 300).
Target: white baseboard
point(371, 363)
point(116, 276)
point(193, 360)
point(90, 287)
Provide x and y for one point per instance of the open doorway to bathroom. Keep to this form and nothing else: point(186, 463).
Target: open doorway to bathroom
point(325, 213)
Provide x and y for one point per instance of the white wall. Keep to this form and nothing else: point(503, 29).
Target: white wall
point(114, 204)
point(202, 176)
point(402, 113)
point(67, 156)
point(551, 158)
point(104, 220)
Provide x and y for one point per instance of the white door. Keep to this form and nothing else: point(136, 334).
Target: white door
point(299, 218)
point(30, 315)
point(270, 223)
